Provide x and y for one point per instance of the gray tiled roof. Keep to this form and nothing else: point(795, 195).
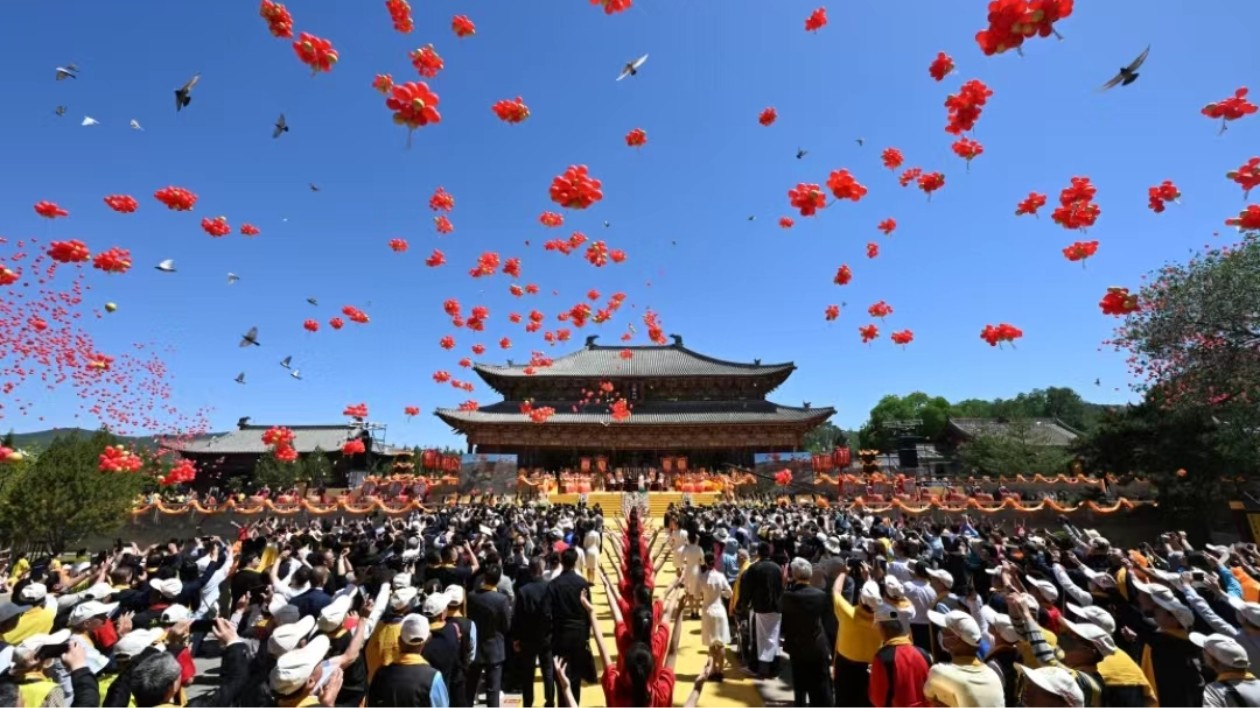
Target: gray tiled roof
point(1042, 431)
point(654, 413)
point(673, 360)
point(248, 440)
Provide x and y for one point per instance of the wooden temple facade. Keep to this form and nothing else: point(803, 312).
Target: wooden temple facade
point(684, 405)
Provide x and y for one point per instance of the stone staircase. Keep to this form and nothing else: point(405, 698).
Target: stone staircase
point(658, 502)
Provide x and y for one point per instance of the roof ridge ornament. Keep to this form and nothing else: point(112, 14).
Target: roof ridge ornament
point(678, 342)
point(590, 341)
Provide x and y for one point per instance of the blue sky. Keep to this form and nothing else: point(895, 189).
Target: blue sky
point(733, 288)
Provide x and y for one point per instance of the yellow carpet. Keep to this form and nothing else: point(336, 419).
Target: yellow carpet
point(737, 689)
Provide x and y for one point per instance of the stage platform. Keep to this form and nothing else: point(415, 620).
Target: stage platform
point(658, 502)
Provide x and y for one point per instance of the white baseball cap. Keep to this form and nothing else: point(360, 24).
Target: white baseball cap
point(334, 613)
point(887, 613)
point(400, 581)
point(894, 588)
point(1055, 681)
point(403, 598)
point(34, 642)
point(958, 622)
point(415, 629)
point(1224, 649)
point(1248, 612)
point(455, 594)
point(85, 611)
point(99, 591)
point(941, 576)
point(32, 593)
point(869, 595)
point(435, 604)
point(295, 667)
point(286, 638)
point(286, 614)
point(1004, 627)
point(1095, 614)
point(175, 613)
point(1043, 587)
point(169, 588)
point(1183, 614)
point(136, 641)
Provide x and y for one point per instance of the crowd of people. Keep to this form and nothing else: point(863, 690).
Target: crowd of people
point(456, 606)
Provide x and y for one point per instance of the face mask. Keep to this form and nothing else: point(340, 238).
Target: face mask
point(325, 675)
point(940, 639)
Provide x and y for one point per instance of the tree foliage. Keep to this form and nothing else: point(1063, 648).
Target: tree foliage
point(824, 438)
point(276, 474)
point(879, 434)
point(317, 468)
point(61, 496)
point(1017, 451)
point(1195, 341)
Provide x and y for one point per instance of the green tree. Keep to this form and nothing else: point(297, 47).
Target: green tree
point(8, 441)
point(317, 468)
point(1018, 450)
point(932, 411)
point(62, 497)
point(972, 408)
point(824, 438)
point(1196, 337)
point(276, 474)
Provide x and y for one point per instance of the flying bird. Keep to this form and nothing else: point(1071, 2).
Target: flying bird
point(296, 373)
point(183, 94)
point(250, 337)
point(281, 127)
point(135, 125)
point(286, 361)
point(166, 266)
point(607, 223)
point(1128, 74)
point(67, 72)
point(632, 67)
point(240, 378)
point(232, 278)
point(752, 217)
point(60, 110)
point(801, 153)
point(313, 301)
point(1098, 382)
point(861, 142)
point(314, 187)
point(89, 120)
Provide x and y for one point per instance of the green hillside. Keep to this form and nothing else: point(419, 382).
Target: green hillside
point(39, 439)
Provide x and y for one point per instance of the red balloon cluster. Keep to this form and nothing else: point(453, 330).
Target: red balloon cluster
point(551, 219)
point(435, 259)
point(310, 326)
point(1077, 209)
point(355, 315)
point(413, 104)
point(816, 20)
point(336, 323)
point(400, 14)
point(72, 251)
point(844, 186)
point(1247, 220)
point(50, 210)
point(1247, 176)
point(1080, 250)
point(888, 226)
point(315, 52)
point(279, 21)
point(511, 111)
point(116, 458)
point(356, 410)
point(872, 250)
point(217, 227)
point(1013, 21)
point(249, 230)
point(462, 26)
point(831, 313)
point(903, 337)
point(1163, 192)
point(353, 447)
point(442, 224)
point(575, 189)
point(807, 198)
point(965, 106)
point(996, 334)
point(786, 222)
point(410, 411)
point(184, 472)
point(869, 333)
point(783, 477)
point(967, 149)
point(880, 309)
point(1119, 302)
point(1031, 204)
point(427, 61)
point(612, 7)
point(768, 116)
point(843, 275)
point(176, 198)
point(909, 175)
point(1231, 108)
point(441, 200)
point(113, 260)
point(122, 203)
point(930, 182)
point(941, 66)
point(636, 138)
point(383, 83)
point(892, 158)
point(538, 415)
point(398, 245)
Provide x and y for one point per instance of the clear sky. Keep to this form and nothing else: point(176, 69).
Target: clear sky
point(678, 206)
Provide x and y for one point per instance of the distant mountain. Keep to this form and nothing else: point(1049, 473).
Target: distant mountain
point(40, 439)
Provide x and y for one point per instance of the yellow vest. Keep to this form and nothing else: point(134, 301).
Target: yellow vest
point(38, 620)
point(382, 648)
point(35, 688)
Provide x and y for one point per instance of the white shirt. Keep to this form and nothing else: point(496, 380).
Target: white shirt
point(923, 596)
point(975, 684)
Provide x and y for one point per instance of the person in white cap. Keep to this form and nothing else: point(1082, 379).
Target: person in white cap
point(804, 638)
point(899, 670)
point(857, 639)
point(32, 667)
point(382, 647)
point(1047, 595)
point(37, 618)
point(1090, 648)
point(299, 675)
point(410, 680)
point(924, 591)
point(1003, 651)
point(964, 680)
point(1049, 686)
point(1234, 685)
point(1171, 663)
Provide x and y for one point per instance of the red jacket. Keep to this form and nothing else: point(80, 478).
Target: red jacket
point(898, 674)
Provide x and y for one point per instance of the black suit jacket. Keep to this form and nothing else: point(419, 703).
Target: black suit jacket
point(532, 616)
point(762, 586)
point(570, 624)
point(802, 628)
point(491, 611)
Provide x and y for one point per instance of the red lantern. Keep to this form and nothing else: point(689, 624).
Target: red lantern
point(429, 460)
point(842, 457)
point(452, 463)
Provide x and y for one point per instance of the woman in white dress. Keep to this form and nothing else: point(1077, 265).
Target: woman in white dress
point(591, 545)
point(715, 629)
point(692, 557)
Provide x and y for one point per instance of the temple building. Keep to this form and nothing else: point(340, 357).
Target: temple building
point(684, 404)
